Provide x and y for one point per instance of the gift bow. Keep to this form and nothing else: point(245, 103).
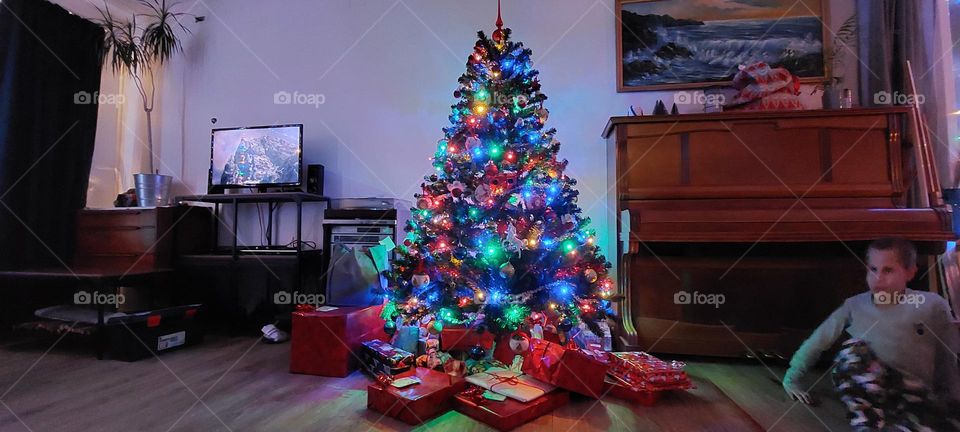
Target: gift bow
point(384, 380)
point(510, 380)
point(474, 395)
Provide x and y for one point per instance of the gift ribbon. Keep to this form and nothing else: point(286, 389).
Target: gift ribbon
point(306, 308)
point(474, 395)
point(384, 379)
point(512, 380)
point(508, 380)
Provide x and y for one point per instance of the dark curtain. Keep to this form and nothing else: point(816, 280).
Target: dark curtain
point(890, 33)
point(49, 78)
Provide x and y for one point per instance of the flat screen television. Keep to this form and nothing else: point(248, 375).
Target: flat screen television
point(256, 157)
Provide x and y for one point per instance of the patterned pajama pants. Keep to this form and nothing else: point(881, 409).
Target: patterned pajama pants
point(879, 397)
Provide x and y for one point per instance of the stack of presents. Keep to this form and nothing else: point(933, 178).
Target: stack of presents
point(420, 372)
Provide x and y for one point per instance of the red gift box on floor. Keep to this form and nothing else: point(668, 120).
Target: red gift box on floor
point(327, 343)
point(508, 414)
point(502, 351)
point(616, 389)
point(461, 338)
point(416, 403)
point(642, 371)
point(577, 370)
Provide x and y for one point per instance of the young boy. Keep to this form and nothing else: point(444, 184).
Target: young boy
point(899, 367)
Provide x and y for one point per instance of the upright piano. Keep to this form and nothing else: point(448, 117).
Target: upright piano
point(739, 232)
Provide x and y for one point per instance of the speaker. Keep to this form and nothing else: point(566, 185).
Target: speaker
point(315, 179)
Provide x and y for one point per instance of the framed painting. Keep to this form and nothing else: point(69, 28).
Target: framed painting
point(674, 44)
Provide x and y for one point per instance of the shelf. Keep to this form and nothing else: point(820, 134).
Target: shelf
point(255, 197)
point(249, 256)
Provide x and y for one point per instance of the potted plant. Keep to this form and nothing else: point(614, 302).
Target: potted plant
point(141, 46)
point(844, 40)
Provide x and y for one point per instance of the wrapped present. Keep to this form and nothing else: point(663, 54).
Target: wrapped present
point(422, 345)
point(433, 358)
point(511, 384)
point(644, 372)
point(406, 338)
point(586, 339)
point(619, 390)
point(327, 343)
point(381, 357)
point(416, 403)
point(502, 351)
point(462, 338)
point(577, 370)
point(507, 414)
point(477, 366)
point(510, 346)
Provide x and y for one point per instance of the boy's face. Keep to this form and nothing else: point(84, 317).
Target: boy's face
point(885, 273)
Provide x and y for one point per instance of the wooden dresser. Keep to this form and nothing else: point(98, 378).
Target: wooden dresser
point(137, 237)
point(739, 232)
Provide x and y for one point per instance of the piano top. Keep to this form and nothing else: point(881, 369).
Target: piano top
point(747, 115)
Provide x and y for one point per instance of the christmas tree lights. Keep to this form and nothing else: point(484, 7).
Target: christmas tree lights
point(496, 236)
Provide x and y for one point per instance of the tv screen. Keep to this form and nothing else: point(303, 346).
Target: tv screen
point(256, 156)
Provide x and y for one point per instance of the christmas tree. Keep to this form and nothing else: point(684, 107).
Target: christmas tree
point(496, 236)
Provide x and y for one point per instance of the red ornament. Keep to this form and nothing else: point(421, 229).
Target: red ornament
point(490, 169)
point(498, 34)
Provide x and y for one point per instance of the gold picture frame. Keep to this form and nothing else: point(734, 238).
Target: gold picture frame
point(700, 32)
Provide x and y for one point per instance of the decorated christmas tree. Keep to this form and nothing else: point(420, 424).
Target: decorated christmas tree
point(496, 238)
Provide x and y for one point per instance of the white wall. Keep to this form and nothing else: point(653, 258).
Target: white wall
point(387, 70)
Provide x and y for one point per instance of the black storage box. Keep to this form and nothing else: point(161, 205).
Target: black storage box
point(141, 335)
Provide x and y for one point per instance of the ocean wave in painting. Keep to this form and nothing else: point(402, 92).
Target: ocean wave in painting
point(658, 49)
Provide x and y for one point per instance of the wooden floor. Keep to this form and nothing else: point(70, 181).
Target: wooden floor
point(239, 384)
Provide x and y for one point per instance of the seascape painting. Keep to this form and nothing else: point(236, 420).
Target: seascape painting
point(696, 43)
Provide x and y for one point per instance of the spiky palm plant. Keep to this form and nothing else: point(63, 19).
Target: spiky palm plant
point(141, 49)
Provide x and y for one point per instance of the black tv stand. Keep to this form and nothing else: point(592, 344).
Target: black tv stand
point(230, 273)
point(270, 198)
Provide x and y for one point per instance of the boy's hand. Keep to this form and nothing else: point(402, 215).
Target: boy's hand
point(799, 395)
point(795, 391)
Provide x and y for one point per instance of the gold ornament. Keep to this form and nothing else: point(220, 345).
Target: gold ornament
point(591, 275)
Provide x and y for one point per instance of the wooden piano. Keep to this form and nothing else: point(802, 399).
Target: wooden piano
point(740, 231)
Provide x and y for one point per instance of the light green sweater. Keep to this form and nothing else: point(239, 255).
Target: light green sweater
point(917, 338)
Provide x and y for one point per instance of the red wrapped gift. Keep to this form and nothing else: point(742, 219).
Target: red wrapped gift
point(416, 403)
point(462, 338)
point(577, 370)
point(644, 372)
point(508, 414)
point(614, 388)
point(327, 343)
point(502, 351)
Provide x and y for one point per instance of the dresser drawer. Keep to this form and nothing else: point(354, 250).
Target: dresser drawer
point(117, 218)
point(120, 240)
